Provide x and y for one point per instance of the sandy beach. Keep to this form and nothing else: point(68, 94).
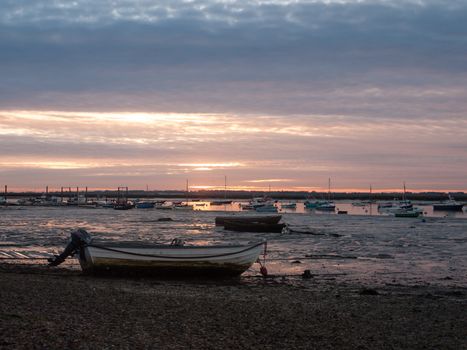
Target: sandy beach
point(45, 308)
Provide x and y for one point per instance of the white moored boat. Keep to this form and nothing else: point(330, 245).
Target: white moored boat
point(170, 259)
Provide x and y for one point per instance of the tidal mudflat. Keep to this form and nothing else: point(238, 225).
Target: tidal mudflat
point(377, 283)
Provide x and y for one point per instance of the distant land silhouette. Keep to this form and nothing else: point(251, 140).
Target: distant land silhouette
point(215, 194)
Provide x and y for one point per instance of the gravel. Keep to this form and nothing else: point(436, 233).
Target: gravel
point(43, 308)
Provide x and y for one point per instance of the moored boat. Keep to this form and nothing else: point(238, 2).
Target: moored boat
point(407, 213)
point(163, 206)
point(268, 208)
point(171, 259)
point(449, 205)
point(220, 202)
point(183, 207)
point(123, 206)
point(266, 219)
point(248, 206)
point(145, 205)
point(291, 205)
point(326, 206)
point(252, 226)
point(313, 203)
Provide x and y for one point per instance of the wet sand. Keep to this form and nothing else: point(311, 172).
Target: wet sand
point(45, 308)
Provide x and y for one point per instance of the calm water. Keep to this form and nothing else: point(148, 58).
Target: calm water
point(340, 205)
point(363, 248)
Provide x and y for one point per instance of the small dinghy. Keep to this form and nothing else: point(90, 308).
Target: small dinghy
point(253, 226)
point(266, 219)
point(170, 260)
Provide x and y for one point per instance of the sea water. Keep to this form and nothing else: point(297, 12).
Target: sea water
point(376, 249)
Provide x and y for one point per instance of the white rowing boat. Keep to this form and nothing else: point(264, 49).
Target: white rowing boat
point(225, 260)
point(169, 259)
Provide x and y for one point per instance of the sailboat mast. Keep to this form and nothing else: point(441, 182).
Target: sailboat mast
point(329, 188)
point(225, 186)
point(186, 192)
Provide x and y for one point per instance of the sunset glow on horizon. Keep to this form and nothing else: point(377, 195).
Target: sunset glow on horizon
point(106, 150)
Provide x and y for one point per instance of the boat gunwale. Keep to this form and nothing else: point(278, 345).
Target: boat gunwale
point(187, 258)
point(138, 245)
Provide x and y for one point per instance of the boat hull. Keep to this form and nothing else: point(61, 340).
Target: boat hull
point(219, 261)
point(253, 227)
point(220, 202)
point(266, 209)
point(407, 214)
point(266, 219)
point(144, 205)
point(448, 207)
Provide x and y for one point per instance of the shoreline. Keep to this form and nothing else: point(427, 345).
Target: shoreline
point(246, 195)
point(57, 308)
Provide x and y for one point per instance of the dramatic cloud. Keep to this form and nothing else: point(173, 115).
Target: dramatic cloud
point(135, 92)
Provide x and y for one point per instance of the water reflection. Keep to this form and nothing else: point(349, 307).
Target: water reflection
point(341, 206)
point(356, 247)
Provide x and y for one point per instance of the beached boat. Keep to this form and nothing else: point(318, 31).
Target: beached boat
point(265, 219)
point(171, 259)
point(252, 227)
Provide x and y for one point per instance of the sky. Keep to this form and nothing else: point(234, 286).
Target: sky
point(280, 94)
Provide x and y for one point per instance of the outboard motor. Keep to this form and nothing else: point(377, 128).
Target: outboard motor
point(79, 238)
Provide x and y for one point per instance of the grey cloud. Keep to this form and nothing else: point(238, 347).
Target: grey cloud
point(214, 55)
